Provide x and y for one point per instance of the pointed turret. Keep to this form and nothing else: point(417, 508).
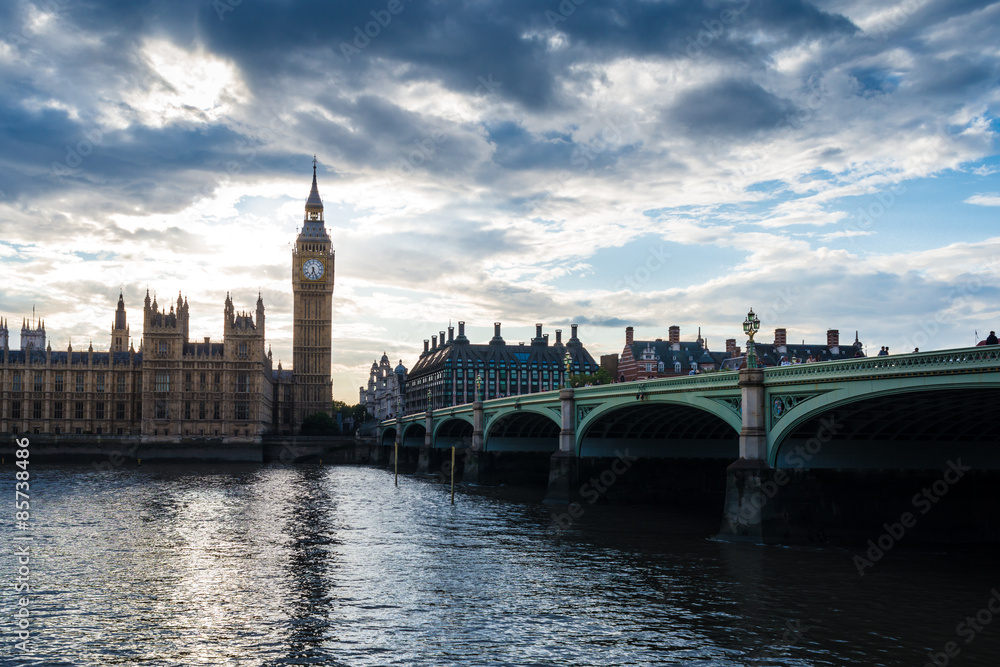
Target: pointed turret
point(314, 203)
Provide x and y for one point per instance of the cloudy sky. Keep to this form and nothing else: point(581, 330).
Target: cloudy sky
point(831, 164)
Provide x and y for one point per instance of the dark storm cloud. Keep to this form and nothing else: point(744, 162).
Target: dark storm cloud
point(730, 108)
point(290, 52)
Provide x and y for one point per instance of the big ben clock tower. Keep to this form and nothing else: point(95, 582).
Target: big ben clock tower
point(312, 287)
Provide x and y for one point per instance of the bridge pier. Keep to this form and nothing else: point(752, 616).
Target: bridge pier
point(564, 465)
point(750, 480)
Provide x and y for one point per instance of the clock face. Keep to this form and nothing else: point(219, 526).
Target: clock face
point(312, 269)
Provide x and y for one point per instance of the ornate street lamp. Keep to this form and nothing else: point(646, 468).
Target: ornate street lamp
point(568, 362)
point(751, 325)
point(479, 386)
point(428, 399)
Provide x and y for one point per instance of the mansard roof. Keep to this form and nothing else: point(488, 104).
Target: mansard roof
point(491, 354)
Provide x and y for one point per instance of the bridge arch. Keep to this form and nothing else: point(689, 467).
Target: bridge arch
point(413, 434)
point(919, 426)
point(667, 426)
point(452, 431)
point(388, 436)
point(528, 429)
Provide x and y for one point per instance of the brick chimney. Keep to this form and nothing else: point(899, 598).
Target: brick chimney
point(780, 337)
point(434, 344)
point(451, 334)
point(675, 334)
point(832, 338)
point(426, 346)
point(629, 335)
point(558, 336)
point(731, 348)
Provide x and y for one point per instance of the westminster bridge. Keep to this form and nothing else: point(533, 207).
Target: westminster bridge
point(801, 448)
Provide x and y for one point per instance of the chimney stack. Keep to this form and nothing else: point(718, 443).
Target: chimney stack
point(780, 337)
point(731, 348)
point(629, 335)
point(675, 334)
point(461, 329)
point(434, 344)
point(451, 334)
point(573, 327)
point(441, 338)
point(558, 336)
point(546, 337)
point(496, 330)
point(538, 331)
point(426, 344)
point(832, 338)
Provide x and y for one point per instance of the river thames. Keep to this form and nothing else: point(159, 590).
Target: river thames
point(311, 565)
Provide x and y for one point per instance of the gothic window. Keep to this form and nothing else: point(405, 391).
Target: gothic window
point(242, 410)
point(187, 381)
point(79, 382)
point(121, 383)
point(162, 381)
point(164, 348)
point(187, 409)
point(15, 409)
point(39, 381)
point(57, 410)
point(161, 410)
point(99, 410)
point(100, 383)
point(120, 410)
point(59, 382)
point(36, 410)
point(201, 410)
point(15, 383)
point(243, 349)
point(217, 383)
point(216, 411)
point(78, 410)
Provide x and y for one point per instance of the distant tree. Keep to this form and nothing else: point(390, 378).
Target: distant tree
point(602, 376)
point(319, 423)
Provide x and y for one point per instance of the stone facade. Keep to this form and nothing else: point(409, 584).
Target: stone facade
point(175, 389)
point(386, 389)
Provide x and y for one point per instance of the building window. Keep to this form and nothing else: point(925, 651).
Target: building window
point(120, 410)
point(59, 382)
point(162, 381)
point(78, 409)
point(36, 409)
point(201, 381)
point(121, 383)
point(57, 410)
point(79, 382)
point(187, 409)
point(243, 349)
point(187, 382)
point(216, 411)
point(15, 381)
point(15, 409)
point(39, 381)
point(138, 409)
point(100, 383)
point(164, 348)
point(201, 410)
point(99, 410)
point(217, 383)
point(242, 410)
point(242, 382)
point(161, 410)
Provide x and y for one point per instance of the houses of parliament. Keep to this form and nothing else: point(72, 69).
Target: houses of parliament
point(173, 388)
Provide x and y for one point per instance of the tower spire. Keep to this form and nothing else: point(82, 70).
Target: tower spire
point(314, 203)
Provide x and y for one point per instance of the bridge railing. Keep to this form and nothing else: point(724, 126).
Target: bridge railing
point(984, 357)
